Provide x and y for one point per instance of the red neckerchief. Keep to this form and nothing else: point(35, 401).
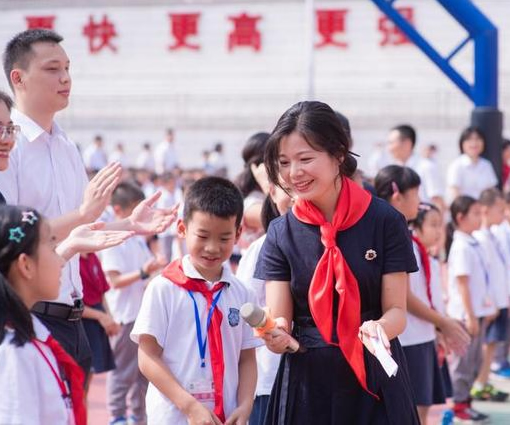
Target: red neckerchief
point(333, 273)
point(175, 274)
point(425, 262)
point(73, 373)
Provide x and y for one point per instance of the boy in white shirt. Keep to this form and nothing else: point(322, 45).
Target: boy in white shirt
point(194, 349)
point(126, 267)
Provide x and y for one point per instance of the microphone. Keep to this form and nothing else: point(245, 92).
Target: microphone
point(257, 318)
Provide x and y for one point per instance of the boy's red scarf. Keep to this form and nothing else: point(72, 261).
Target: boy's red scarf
point(175, 274)
point(425, 263)
point(333, 273)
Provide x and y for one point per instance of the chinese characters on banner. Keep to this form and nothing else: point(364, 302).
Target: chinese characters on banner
point(184, 30)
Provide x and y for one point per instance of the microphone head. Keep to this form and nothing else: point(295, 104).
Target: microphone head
point(253, 315)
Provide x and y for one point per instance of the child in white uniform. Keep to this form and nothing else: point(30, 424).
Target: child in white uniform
point(493, 211)
point(194, 349)
point(470, 299)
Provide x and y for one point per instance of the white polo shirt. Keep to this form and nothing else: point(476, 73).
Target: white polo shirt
point(438, 292)
point(46, 172)
point(497, 265)
point(31, 395)
point(267, 361)
point(167, 314)
point(467, 258)
point(417, 331)
point(471, 178)
point(125, 302)
point(502, 233)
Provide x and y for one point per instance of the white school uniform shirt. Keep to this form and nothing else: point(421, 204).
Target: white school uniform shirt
point(471, 178)
point(46, 172)
point(497, 266)
point(438, 293)
point(167, 314)
point(467, 258)
point(31, 394)
point(267, 361)
point(502, 234)
point(94, 157)
point(145, 160)
point(124, 303)
point(165, 157)
point(417, 331)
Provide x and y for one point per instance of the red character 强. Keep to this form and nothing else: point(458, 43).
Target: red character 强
point(329, 23)
point(245, 32)
point(391, 33)
point(100, 34)
point(45, 22)
point(184, 25)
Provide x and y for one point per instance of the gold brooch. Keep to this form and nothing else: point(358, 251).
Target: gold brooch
point(370, 254)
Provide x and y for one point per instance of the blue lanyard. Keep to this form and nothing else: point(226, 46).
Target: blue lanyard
point(203, 343)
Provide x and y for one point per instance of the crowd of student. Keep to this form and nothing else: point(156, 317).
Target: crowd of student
point(340, 261)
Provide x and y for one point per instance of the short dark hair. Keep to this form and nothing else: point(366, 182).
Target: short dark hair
point(216, 196)
point(318, 124)
point(467, 133)
point(126, 194)
point(395, 178)
point(488, 197)
point(18, 51)
point(7, 100)
point(406, 132)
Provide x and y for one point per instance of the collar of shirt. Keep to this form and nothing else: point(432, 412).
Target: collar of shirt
point(190, 271)
point(31, 130)
point(458, 234)
point(468, 162)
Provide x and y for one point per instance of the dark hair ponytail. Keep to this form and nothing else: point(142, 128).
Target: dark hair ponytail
point(253, 153)
point(460, 205)
point(394, 178)
point(19, 233)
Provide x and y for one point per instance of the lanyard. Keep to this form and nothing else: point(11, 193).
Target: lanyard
point(203, 343)
point(61, 383)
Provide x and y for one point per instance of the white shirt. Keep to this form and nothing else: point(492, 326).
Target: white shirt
point(418, 331)
point(467, 258)
point(438, 295)
point(31, 395)
point(267, 361)
point(497, 266)
point(167, 314)
point(120, 157)
point(94, 157)
point(46, 172)
point(502, 233)
point(471, 178)
point(145, 161)
point(124, 303)
point(166, 157)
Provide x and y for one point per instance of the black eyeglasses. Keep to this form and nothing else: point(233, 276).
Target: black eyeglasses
point(9, 131)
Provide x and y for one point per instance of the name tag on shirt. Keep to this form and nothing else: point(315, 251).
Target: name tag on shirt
point(202, 390)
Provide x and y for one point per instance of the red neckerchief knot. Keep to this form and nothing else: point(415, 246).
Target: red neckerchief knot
point(175, 274)
point(333, 273)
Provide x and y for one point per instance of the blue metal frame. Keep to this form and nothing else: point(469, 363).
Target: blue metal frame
point(484, 91)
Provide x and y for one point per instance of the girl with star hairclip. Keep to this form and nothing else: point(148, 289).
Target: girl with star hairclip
point(45, 384)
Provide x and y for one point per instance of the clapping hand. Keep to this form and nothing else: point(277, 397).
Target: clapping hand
point(146, 219)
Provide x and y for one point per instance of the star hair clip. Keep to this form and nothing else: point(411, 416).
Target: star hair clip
point(16, 234)
point(28, 217)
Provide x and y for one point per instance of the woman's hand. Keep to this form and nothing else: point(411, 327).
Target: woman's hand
point(278, 344)
point(370, 329)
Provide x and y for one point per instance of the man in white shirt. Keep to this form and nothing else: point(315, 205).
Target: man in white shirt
point(165, 154)
point(401, 144)
point(145, 160)
point(94, 155)
point(46, 172)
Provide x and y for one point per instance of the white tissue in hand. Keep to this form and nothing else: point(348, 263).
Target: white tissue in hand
point(381, 353)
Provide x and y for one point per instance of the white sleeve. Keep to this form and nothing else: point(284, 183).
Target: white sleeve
point(155, 313)
point(453, 176)
point(491, 177)
point(20, 402)
point(112, 260)
point(460, 261)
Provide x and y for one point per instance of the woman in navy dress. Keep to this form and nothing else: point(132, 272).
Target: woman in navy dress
point(336, 273)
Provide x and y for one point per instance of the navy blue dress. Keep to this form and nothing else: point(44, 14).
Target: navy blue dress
point(318, 386)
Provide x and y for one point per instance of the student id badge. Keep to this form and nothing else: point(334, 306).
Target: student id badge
point(203, 390)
